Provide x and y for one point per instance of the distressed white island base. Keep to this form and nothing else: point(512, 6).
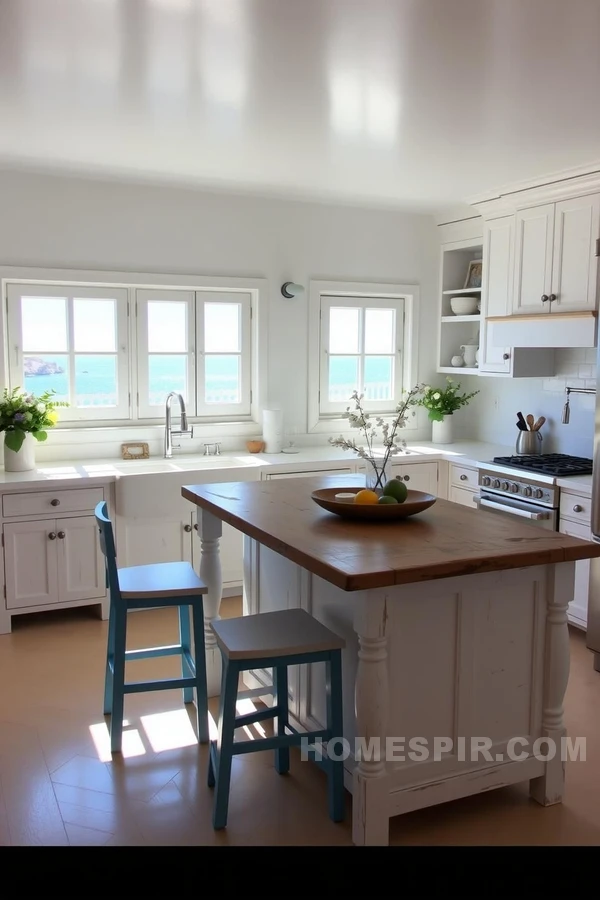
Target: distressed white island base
point(445, 658)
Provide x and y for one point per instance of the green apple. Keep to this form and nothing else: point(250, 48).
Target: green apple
point(386, 500)
point(396, 489)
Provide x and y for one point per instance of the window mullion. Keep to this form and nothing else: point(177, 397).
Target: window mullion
point(71, 353)
point(197, 354)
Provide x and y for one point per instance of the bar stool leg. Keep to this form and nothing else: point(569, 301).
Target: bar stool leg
point(200, 661)
point(185, 641)
point(280, 683)
point(335, 774)
point(118, 681)
point(110, 659)
point(225, 744)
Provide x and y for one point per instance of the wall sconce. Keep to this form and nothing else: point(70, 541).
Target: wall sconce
point(289, 290)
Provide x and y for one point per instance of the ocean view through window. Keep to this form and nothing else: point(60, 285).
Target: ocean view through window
point(74, 340)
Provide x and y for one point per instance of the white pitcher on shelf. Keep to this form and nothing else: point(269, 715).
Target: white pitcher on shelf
point(469, 355)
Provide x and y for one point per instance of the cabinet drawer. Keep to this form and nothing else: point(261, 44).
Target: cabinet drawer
point(464, 477)
point(575, 529)
point(462, 496)
point(575, 508)
point(55, 502)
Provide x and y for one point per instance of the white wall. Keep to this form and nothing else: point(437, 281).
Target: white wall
point(492, 414)
point(69, 222)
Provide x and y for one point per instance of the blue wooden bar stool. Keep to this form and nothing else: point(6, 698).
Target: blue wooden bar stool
point(163, 584)
point(277, 640)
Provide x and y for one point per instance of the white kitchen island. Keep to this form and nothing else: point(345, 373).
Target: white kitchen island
point(455, 623)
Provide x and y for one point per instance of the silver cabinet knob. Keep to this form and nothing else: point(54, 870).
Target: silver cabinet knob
point(407, 477)
point(61, 535)
point(187, 528)
point(577, 508)
point(463, 477)
point(552, 298)
point(55, 502)
point(52, 536)
point(545, 298)
point(506, 356)
point(196, 527)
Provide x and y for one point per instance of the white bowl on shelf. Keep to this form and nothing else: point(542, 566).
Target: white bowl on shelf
point(464, 306)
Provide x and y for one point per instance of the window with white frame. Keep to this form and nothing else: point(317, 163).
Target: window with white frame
point(72, 340)
point(361, 345)
point(196, 343)
point(115, 352)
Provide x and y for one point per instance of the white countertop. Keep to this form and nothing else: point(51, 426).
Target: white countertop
point(100, 471)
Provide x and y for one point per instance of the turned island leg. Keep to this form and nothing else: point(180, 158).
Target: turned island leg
point(548, 788)
point(370, 793)
point(210, 530)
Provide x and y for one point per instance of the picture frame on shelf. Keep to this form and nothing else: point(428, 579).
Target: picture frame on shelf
point(474, 271)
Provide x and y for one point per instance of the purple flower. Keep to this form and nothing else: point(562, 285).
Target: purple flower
point(19, 417)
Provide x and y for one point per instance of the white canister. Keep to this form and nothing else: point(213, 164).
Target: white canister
point(457, 361)
point(272, 430)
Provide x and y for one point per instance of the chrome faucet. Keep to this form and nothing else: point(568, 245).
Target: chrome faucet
point(184, 431)
point(566, 414)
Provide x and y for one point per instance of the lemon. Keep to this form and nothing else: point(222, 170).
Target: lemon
point(396, 489)
point(386, 500)
point(366, 497)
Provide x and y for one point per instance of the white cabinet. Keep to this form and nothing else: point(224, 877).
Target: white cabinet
point(462, 496)
point(31, 564)
point(81, 569)
point(463, 484)
point(575, 264)
point(166, 539)
point(555, 256)
point(575, 520)
point(52, 561)
point(533, 259)
point(418, 476)
point(498, 239)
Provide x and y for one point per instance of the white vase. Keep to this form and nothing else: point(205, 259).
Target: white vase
point(377, 475)
point(442, 431)
point(22, 460)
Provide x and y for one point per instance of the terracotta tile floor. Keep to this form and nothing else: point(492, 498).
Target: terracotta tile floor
point(58, 784)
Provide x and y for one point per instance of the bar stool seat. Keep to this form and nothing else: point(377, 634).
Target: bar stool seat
point(275, 640)
point(157, 585)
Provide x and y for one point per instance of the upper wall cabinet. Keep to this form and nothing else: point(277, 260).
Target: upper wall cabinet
point(555, 257)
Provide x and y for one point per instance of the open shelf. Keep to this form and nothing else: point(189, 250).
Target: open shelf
point(476, 317)
point(464, 291)
point(457, 370)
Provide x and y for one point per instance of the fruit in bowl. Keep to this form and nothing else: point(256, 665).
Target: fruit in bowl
point(464, 306)
point(395, 489)
point(366, 497)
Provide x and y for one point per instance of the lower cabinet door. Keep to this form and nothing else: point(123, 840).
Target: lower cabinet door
point(577, 610)
point(419, 476)
point(144, 541)
point(31, 563)
point(81, 572)
point(462, 496)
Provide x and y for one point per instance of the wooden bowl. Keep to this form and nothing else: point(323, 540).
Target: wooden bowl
point(255, 446)
point(416, 502)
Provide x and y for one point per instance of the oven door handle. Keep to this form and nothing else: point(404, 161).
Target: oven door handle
point(511, 510)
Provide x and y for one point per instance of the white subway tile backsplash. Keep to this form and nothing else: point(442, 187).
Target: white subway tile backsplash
point(590, 382)
point(587, 371)
point(590, 355)
point(554, 385)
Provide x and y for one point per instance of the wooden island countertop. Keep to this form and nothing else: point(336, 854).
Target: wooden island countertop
point(444, 541)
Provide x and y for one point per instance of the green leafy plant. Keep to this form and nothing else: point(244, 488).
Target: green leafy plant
point(22, 414)
point(442, 402)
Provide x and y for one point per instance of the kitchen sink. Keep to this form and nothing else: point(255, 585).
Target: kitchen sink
point(185, 464)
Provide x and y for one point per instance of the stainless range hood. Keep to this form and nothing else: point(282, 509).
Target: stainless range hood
point(554, 330)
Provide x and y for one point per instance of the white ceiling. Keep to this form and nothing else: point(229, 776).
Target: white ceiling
point(413, 103)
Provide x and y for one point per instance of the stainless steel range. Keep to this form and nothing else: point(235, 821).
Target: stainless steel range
point(511, 493)
point(525, 486)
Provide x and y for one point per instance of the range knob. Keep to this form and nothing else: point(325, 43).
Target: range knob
point(505, 485)
point(496, 483)
point(527, 492)
point(514, 488)
point(538, 493)
point(486, 481)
